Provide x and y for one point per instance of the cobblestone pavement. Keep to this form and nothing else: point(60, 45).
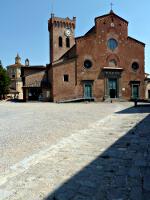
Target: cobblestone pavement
point(74, 152)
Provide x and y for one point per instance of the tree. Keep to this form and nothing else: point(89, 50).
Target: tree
point(4, 82)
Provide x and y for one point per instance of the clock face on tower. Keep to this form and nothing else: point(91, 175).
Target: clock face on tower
point(67, 32)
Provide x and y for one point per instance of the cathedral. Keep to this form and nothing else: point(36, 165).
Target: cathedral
point(103, 64)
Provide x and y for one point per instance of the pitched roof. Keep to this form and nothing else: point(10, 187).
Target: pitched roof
point(34, 80)
point(111, 13)
point(90, 31)
point(103, 16)
point(16, 65)
point(38, 67)
point(67, 54)
point(136, 40)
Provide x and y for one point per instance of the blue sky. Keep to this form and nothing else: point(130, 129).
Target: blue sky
point(23, 24)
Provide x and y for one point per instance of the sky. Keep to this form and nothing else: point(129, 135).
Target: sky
point(23, 24)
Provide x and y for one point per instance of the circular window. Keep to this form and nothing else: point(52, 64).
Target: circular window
point(135, 66)
point(112, 44)
point(87, 64)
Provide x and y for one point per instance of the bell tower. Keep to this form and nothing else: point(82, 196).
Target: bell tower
point(61, 36)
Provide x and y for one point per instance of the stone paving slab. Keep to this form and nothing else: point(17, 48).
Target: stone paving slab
point(107, 160)
point(28, 128)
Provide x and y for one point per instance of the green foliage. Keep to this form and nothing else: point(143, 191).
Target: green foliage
point(4, 81)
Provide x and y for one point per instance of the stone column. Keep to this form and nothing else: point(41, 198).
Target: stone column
point(119, 87)
point(24, 94)
point(27, 94)
point(106, 88)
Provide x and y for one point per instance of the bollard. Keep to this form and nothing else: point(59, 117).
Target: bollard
point(135, 103)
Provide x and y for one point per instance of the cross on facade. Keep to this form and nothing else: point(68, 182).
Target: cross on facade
point(111, 5)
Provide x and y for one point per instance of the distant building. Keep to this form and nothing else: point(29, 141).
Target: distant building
point(14, 72)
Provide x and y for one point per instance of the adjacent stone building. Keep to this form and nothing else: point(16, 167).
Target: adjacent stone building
point(36, 86)
point(103, 64)
point(147, 84)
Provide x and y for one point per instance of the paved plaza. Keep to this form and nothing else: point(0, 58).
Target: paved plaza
point(80, 151)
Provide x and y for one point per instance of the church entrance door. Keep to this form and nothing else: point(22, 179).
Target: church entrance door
point(87, 90)
point(113, 88)
point(148, 94)
point(135, 91)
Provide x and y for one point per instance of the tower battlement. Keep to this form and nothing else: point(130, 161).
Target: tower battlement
point(61, 22)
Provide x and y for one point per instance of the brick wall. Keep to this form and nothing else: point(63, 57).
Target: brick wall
point(94, 46)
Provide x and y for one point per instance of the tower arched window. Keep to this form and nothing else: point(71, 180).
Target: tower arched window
point(60, 41)
point(68, 42)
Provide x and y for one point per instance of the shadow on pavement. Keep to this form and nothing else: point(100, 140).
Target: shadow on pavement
point(122, 172)
point(141, 108)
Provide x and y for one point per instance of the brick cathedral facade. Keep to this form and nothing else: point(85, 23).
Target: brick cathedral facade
point(103, 64)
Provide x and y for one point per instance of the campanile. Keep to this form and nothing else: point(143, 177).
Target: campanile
point(61, 36)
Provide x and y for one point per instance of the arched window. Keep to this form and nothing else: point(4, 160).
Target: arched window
point(68, 42)
point(60, 42)
point(112, 63)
